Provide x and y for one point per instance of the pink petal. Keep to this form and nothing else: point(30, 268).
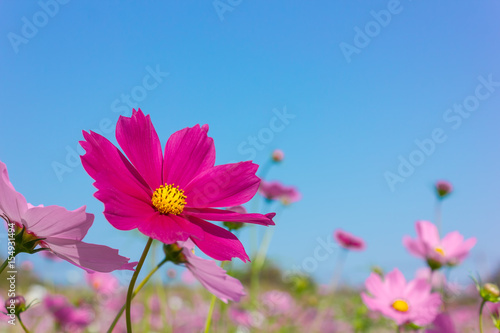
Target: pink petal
point(188, 152)
point(223, 186)
point(375, 286)
point(12, 203)
point(414, 246)
point(219, 243)
point(214, 278)
point(122, 210)
point(396, 280)
point(170, 228)
point(58, 222)
point(428, 233)
point(110, 168)
point(90, 257)
point(138, 139)
point(212, 214)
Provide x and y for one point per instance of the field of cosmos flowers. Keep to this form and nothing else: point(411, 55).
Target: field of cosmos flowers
point(183, 205)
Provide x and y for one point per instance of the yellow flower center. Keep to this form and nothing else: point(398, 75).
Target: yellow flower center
point(439, 250)
point(400, 305)
point(169, 199)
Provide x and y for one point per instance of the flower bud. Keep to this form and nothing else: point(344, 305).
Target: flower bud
point(491, 289)
point(278, 155)
point(233, 225)
point(443, 188)
point(15, 305)
point(173, 253)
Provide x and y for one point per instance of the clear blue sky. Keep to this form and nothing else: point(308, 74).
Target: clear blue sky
point(358, 103)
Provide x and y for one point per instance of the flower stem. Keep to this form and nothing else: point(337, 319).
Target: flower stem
point(22, 324)
point(132, 283)
point(5, 263)
point(481, 316)
point(438, 216)
point(211, 309)
point(136, 291)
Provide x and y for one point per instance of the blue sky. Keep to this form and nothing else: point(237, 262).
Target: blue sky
point(235, 65)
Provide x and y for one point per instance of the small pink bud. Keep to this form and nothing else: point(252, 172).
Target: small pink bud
point(443, 188)
point(15, 304)
point(278, 155)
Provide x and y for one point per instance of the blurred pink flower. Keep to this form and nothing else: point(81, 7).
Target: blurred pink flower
point(169, 196)
point(57, 229)
point(240, 317)
point(27, 265)
point(442, 324)
point(212, 276)
point(70, 318)
point(277, 302)
point(494, 309)
point(400, 301)
point(278, 155)
point(171, 273)
point(451, 250)
point(443, 188)
point(348, 241)
point(103, 283)
point(275, 190)
point(187, 277)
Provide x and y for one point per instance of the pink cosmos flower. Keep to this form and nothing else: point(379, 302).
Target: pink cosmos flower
point(212, 276)
point(170, 196)
point(70, 318)
point(57, 229)
point(443, 188)
point(451, 250)
point(442, 324)
point(240, 316)
point(275, 190)
point(277, 302)
point(348, 241)
point(400, 301)
point(103, 283)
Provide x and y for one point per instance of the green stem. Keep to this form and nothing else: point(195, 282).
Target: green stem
point(211, 309)
point(438, 216)
point(132, 283)
point(5, 263)
point(22, 324)
point(481, 316)
point(136, 291)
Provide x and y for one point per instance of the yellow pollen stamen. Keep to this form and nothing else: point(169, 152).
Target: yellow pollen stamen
point(169, 199)
point(439, 250)
point(400, 305)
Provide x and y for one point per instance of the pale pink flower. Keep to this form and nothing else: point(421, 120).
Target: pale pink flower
point(59, 230)
point(400, 301)
point(277, 302)
point(451, 250)
point(103, 283)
